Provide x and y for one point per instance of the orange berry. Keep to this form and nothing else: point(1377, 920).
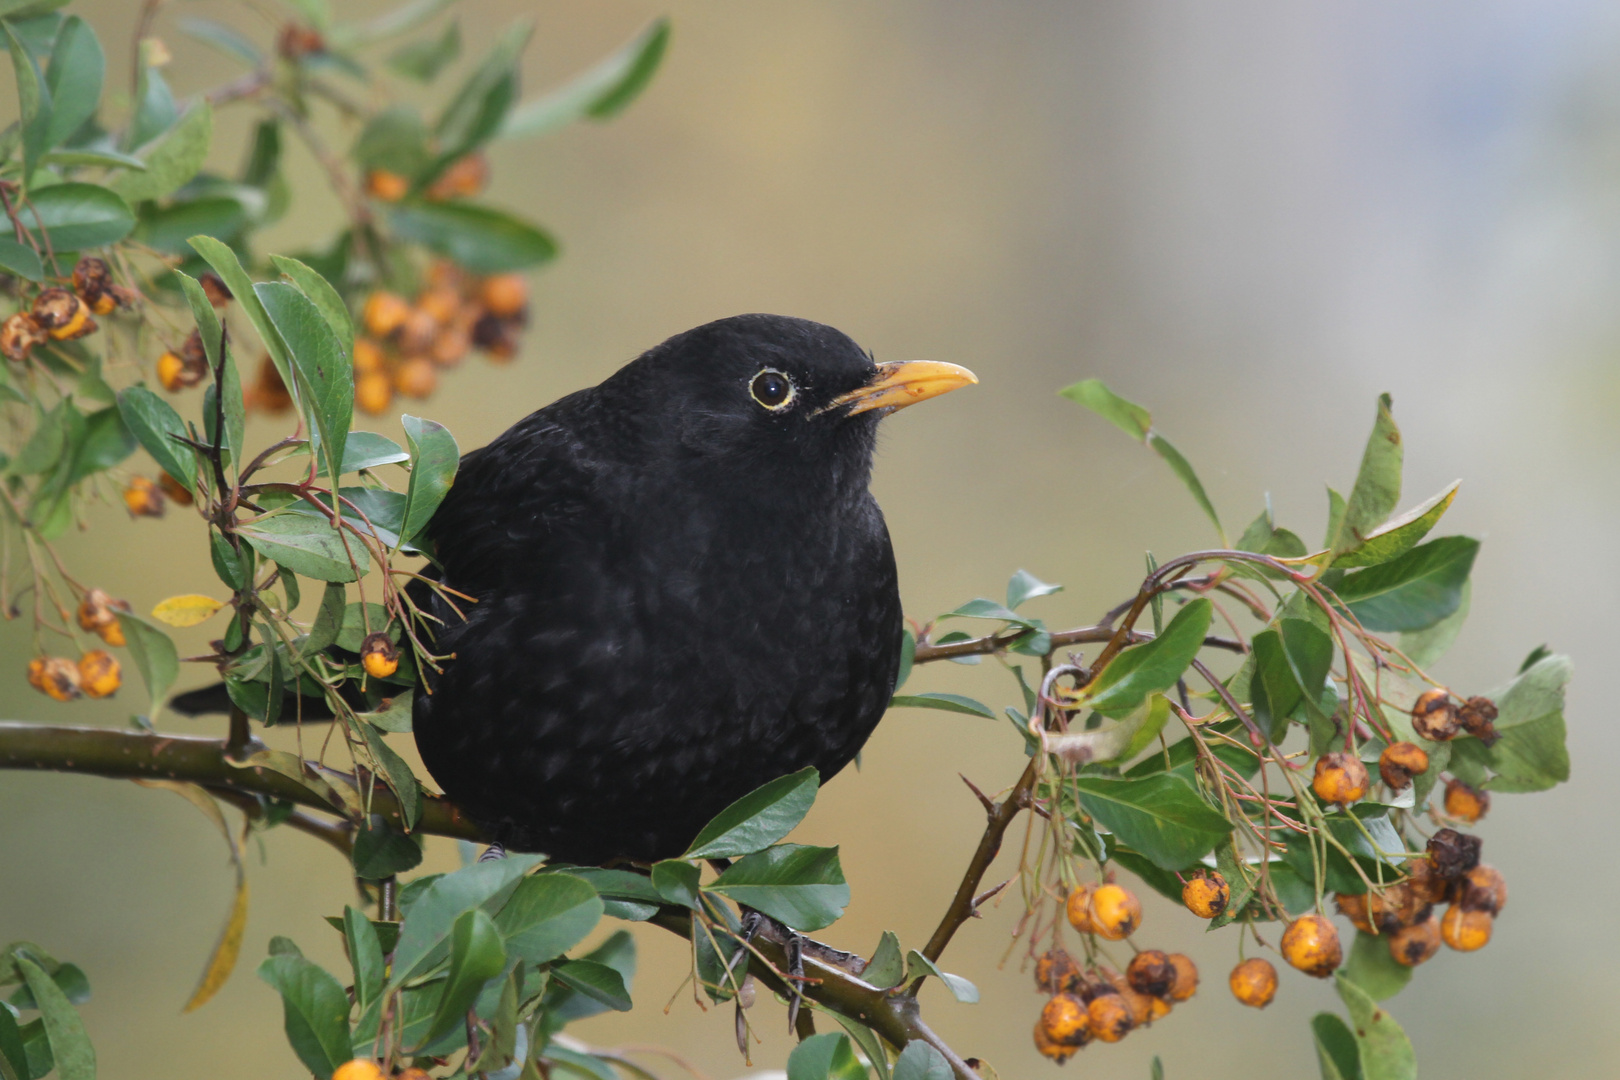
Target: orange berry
point(170, 370)
point(1110, 1017)
point(63, 315)
point(57, 678)
point(383, 313)
point(1311, 944)
point(504, 295)
point(1466, 803)
point(1206, 895)
point(99, 675)
point(1434, 717)
point(36, 673)
point(1465, 930)
point(441, 304)
point(1340, 778)
point(1254, 982)
point(1415, 944)
point(368, 356)
point(1186, 982)
point(1066, 1021)
point(416, 377)
point(1144, 1008)
point(417, 332)
point(113, 634)
point(359, 1069)
point(1115, 912)
point(386, 186)
point(1078, 908)
point(1056, 1052)
point(373, 391)
point(95, 610)
point(1400, 762)
point(144, 498)
point(1483, 889)
point(450, 347)
point(379, 656)
point(465, 176)
point(1056, 971)
point(175, 490)
point(442, 273)
point(1151, 972)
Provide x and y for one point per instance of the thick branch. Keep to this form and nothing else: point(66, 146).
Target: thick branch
point(128, 755)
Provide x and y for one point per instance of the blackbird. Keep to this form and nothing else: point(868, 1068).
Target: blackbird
point(682, 589)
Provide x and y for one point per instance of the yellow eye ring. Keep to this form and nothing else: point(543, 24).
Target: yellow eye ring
point(772, 389)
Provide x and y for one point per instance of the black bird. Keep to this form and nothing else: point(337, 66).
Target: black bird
point(684, 589)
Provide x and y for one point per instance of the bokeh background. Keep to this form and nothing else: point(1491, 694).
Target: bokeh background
point(1252, 217)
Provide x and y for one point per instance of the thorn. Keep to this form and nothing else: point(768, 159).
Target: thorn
point(987, 894)
point(984, 800)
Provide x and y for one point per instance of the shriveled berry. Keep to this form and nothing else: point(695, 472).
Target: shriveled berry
point(1466, 930)
point(20, 333)
point(1186, 981)
point(1466, 803)
point(1477, 716)
point(1340, 778)
point(450, 347)
point(62, 314)
point(95, 610)
point(1206, 895)
point(1424, 881)
point(1415, 944)
point(1483, 889)
point(91, 276)
point(1078, 909)
point(1066, 1021)
point(99, 674)
point(383, 313)
point(1144, 1008)
point(496, 336)
point(1434, 717)
point(1115, 912)
point(1110, 1017)
point(465, 176)
point(144, 498)
point(1400, 762)
point(270, 393)
point(379, 656)
point(1353, 906)
point(1056, 971)
point(57, 678)
point(1254, 982)
point(175, 490)
point(1453, 853)
point(1151, 972)
point(417, 332)
point(1311, 944)
point(213, 286)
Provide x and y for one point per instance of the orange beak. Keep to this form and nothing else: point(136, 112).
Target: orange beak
point(898, 384)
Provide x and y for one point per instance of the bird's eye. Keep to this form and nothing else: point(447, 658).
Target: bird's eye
point(771, 389)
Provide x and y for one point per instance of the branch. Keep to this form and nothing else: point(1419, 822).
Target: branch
point(994, 643)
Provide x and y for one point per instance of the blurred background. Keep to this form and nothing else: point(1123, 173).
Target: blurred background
point(1250, 217)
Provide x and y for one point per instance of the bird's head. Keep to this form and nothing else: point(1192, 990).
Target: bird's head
point(777, 395)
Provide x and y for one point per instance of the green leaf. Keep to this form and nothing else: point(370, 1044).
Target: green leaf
point(677, 882)
point(1336, 1050)
point(365, 956)
point(73, 79)
point(367, 450)
point(600, 92)
point(944, 702)
point(988, 609)
point(1531, 754)
point(1372, 968)
point(547, 915)
point(325, 298)
point(394, 140)
point(70, 1045)
point(1151, 667)
point(919, 966)
point(400, 778)
point(393, 715)
point(1386, 1052)
point(1424, 647)
point(825, 1057)
point(423, 60)
point(325, 373)
point(908, 655)
point(309, 545)
point(1414, 591)
point(919, 1061)
point(477, 955)
point(1273, 689)
point(599, 982)
point(888, 964)
point(1377, 490)
point(434, 458)
point(222, 37)
point(1399, 535)
point(1183, 469)
point(758, 819)
point(77, 216)
point(155, 107)
point(69, 978)
point(1128, 416)
point(795, 884)
point(13, 1053)
point(155, 657)
point(1335, 517)
point(20, 259)
point(98, 158)
point(424, 935)
point(482, 239)
point(1026, 586)
point(476, 111)
point(315, 1011)
point(209, 329)
point(1162, 816)
point(225, 263)
point(33, 99)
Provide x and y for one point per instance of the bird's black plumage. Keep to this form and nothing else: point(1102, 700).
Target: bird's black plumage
point(681, 594)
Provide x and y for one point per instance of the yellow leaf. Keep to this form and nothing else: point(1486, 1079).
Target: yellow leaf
point(229, 948)
point(188, 610)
